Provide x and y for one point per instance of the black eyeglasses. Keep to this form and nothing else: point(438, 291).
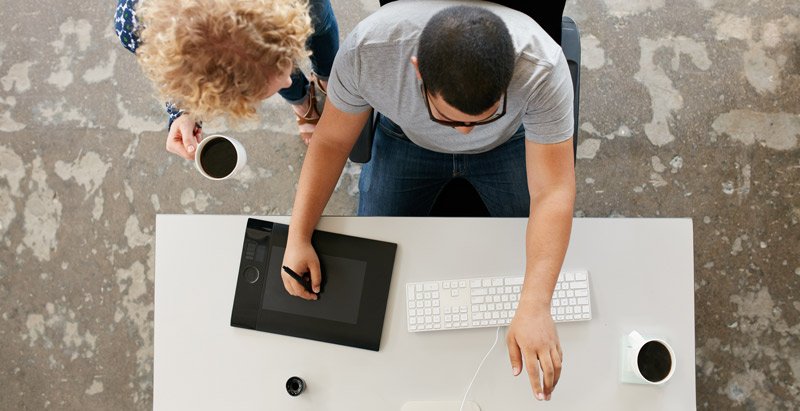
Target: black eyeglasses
point(450, 123)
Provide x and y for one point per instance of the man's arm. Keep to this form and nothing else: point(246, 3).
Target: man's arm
point(532, 335)
point(331, 143)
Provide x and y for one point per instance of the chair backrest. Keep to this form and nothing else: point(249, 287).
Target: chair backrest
point(570, 44)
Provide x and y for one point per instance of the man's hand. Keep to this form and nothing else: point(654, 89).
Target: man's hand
point(301, 257)
point(184, 136)
point(532, 336)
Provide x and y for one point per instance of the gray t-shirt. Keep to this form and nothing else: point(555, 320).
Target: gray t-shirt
point(373, 69)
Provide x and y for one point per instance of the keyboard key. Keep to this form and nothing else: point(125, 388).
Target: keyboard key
point(446, 285)
point(487, 282)
point(412, 304)
point(477, 300)
point(475, 283)
point(578, 284)
point(435, 303)
point(454, 293)
point(462, 283)
point(497, 281)
point(435, 294)
point(427, 295)
point(569, 276)
point(419, 296)
point(581, 276)
point(581, 293)
point(479, 291)
point(431, 286)
point(419, 287)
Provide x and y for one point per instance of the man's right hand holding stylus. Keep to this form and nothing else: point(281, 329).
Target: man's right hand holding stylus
point(301, 258)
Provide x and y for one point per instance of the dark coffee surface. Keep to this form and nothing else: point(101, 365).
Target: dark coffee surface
point(218, 158)
point(654, 361)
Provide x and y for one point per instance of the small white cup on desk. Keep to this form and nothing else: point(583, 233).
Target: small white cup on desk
point(219, 157)
point(646, 360)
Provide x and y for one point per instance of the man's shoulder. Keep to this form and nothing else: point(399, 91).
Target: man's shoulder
point(390, 25)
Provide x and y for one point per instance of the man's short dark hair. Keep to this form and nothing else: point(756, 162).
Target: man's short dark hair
point(466, 56)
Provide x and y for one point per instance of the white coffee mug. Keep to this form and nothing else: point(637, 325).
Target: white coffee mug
point(218, 157)
point(646, 360)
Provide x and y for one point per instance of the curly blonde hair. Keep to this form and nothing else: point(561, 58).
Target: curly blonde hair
point(214, 57)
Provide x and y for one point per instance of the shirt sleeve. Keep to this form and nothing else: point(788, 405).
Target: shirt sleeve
point(344, 88)
point(549, 118)
point(126, 25)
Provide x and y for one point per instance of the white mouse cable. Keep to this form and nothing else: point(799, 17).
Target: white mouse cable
point(469, 387)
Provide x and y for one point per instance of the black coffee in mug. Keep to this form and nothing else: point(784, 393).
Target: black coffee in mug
point(654, 361)
point(218, 158)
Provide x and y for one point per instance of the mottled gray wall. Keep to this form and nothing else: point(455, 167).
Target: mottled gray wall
point(689, 109)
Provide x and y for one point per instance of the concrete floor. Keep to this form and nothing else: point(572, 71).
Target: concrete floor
point(689, 109)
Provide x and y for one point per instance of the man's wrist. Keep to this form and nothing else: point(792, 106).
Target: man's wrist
point(534, 302)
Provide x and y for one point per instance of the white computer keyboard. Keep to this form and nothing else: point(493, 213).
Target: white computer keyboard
point(489, 301)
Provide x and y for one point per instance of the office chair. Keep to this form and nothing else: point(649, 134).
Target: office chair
point(458, 198)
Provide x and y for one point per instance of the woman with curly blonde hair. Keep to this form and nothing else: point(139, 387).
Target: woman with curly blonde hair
point(214, 58)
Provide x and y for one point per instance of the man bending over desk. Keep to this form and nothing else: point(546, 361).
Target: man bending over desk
point(464, 89)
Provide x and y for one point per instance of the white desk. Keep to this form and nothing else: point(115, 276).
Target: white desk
point(641, 273)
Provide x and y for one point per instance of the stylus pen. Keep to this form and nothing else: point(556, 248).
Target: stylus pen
point(303, 282)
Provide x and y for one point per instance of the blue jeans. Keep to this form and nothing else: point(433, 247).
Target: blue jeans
point(323, 43)
point(404, 179)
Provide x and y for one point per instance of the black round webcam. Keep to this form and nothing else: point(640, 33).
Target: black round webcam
point(295, 386)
